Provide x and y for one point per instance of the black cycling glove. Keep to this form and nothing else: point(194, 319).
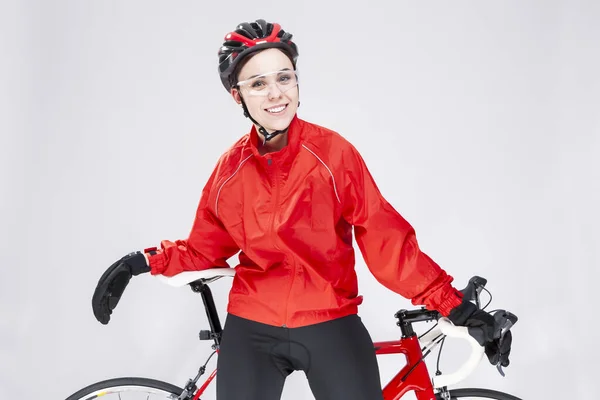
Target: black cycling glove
point(485, 329)
point(113, 282)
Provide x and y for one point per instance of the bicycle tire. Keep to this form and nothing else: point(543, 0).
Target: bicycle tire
point(88, 392)
point(457, 394)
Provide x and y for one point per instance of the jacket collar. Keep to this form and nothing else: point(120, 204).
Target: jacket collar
point(284, 157)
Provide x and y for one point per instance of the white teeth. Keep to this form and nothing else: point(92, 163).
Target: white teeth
point(276, 110)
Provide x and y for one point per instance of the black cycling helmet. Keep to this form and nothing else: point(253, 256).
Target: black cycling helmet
point(248, 38)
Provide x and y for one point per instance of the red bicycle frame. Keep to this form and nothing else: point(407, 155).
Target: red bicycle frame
point(414, 375)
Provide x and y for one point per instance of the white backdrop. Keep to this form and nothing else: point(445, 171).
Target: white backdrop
point(478, 120)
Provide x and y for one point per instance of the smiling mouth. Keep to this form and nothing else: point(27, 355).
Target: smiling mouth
point(277, 109)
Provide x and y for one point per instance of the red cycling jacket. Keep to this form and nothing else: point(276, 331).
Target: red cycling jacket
point(291, 214)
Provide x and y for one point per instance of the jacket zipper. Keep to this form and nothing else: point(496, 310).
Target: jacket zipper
point(287, 302)
point(273, 213)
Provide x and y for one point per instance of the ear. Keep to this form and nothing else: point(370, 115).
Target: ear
point(235, 93)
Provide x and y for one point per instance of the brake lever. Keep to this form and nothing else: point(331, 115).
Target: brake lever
point(505, 320)
point(478, 283)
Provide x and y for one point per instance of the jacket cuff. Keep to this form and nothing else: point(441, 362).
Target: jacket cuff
point(453, 300)
point(156, 260)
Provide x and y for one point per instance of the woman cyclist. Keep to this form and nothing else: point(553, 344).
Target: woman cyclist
point(287, 197)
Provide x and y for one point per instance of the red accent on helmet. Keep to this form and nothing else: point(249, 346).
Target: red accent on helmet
point(240, 38)
point(272, 38)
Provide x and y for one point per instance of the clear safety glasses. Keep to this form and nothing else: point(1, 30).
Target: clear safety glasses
point(261, 85)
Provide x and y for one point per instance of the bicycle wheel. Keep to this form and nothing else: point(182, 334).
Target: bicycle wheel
point(128, 389)
point(465, 394)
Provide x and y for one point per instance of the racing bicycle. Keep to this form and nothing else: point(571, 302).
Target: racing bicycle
point(414, 376)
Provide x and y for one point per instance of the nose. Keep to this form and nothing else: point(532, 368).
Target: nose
point(274, 91)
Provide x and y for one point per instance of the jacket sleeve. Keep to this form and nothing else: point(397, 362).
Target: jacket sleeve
point(208, 245)
point(388, 242)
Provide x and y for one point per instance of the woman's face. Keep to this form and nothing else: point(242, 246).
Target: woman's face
point(269, 87)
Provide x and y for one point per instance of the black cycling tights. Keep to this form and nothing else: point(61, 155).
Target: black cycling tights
point(337, 357)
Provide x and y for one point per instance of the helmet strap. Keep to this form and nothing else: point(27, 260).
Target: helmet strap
point(267, 136)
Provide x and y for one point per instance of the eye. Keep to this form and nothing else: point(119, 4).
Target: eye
point(258, 84)
point(285, 79)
